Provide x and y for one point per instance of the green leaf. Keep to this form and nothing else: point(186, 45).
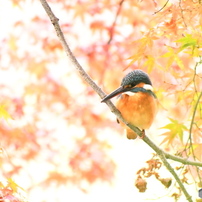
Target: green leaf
point(187, 41)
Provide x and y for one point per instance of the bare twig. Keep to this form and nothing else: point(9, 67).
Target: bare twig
point(191, 147)
point(190, 131)
point(172, 171)
point(163, 155)
point(114, 23)
point(70, 56)
point(180, 5)
point(162, 7)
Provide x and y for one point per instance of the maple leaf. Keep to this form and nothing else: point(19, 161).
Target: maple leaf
point(12, 43)
point(184, 95)
point(198, 151)
point(143, 44)
point(134, 58)
point(187, 41)
point(150, 62)
point(1, 185)
point(176, 129)
point(97, 25)
point(172, 54)
point(14, 186)
point(3, 113)
point(80, 11)
point(38, 69)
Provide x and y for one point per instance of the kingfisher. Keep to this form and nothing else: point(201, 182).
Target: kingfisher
point(136, 101)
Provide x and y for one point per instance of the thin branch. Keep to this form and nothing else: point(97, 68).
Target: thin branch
point(194, 112)
point(182, 160)
point(180, 5)
point(115, 20)
point(193, 122)
point(195, 107)
point(163, 155)
point(162, 7)
point(70, 55)
point(172, 171)
point(190, 131)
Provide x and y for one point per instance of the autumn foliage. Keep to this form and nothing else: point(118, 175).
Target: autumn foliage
point(53, 123)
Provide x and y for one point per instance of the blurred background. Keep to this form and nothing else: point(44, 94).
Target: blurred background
point(62, 143)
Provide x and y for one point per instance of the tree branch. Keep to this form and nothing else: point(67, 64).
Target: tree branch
point(115, 20)
point(163, 155)
point(161, 7)
point(70, 56)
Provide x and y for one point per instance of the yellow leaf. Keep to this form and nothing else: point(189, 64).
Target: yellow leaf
point(197, 151)
point(12, 43)
point(134, 58)
point(3, 113)
point(179, 62)
point(149, 63)
point(39, 69)
point(172, 56)
point(11, 184)
point(175, 129)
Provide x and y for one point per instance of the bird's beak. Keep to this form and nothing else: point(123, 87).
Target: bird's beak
point(114, 93)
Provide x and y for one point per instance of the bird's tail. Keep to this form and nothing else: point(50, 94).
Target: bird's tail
point(130, 134)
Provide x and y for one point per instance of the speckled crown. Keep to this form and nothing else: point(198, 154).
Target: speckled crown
point(135, 77)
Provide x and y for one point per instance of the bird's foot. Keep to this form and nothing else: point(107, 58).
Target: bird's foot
point(143, 134)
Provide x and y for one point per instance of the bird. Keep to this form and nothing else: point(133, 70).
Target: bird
point(136, 102)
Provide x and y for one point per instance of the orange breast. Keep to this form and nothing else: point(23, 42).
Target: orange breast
point(139, 109)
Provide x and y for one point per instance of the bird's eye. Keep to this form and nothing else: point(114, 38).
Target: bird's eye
point(127, 86)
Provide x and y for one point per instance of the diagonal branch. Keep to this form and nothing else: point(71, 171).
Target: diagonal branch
point(69, 53)
point(163, 155)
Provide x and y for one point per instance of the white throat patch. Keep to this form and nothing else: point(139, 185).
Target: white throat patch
point(148, 87)
point(129, 93)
